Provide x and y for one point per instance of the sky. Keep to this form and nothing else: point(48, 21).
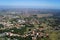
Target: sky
point(31, 3)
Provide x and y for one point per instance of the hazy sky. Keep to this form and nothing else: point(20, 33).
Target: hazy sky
point(31, 3)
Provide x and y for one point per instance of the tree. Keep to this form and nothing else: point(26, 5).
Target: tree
point(1, 25)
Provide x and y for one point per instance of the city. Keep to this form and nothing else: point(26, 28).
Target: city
point(43, 26)
point(29, 19)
